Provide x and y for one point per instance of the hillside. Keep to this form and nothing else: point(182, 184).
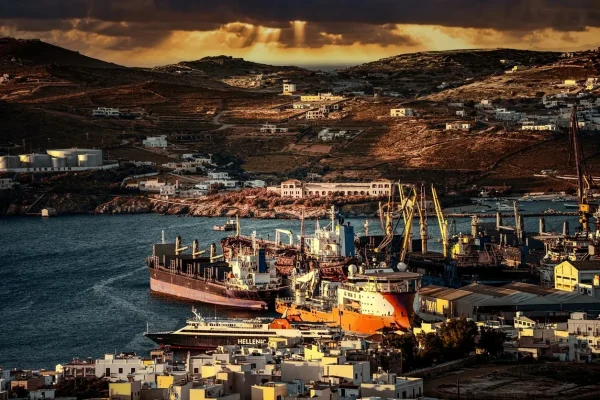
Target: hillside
point(35, 52)
point(427, 72)
point(217, 104)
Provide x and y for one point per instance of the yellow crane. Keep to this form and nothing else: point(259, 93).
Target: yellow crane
point(441, 221)
point(408, 211)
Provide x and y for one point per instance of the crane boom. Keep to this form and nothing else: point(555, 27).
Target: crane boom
point(441, 220)
point(584, 181)
point(408, 227)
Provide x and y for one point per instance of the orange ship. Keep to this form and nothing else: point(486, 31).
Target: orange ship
point(367, 303)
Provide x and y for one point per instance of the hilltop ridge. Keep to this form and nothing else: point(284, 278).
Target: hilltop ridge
point(34, 52)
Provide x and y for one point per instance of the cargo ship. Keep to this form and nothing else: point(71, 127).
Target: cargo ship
point(207, 334)
point(370, 301)
point(245, 282)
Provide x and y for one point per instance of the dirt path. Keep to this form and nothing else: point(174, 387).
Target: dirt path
point(431, 385)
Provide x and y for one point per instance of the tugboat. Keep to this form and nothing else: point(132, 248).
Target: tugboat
point(230, 225)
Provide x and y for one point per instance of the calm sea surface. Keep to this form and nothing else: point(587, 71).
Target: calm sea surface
point(77, 286)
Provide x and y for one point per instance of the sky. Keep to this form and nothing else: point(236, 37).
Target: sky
point(305, 32)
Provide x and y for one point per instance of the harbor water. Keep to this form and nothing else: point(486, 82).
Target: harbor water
point(77, 286)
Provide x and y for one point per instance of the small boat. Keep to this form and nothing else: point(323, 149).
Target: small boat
point(228, 226)
point(558, 199)
point(571, 205)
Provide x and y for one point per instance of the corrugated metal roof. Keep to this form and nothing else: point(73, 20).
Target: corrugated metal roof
point(489, 290)
point(529, 288)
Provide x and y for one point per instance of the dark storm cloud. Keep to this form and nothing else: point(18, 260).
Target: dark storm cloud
point(144, 22)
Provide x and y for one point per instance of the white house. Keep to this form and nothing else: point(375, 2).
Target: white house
point(402, 112)
point(106, 112)
point(257, 183)
point(458, 126)
point(570, 82)
point(155, 141)
point(532, 126)
point(272, 128)
point(391, 386)
point(301, 106)
point(151, 185)
point(288, 88)
point(461, 113)
point(321, 97)
point(218, 175)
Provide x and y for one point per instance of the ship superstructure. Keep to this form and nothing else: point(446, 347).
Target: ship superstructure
point(204, 334)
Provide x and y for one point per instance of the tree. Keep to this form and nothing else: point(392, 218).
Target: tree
point(431, 347)
point(491, 341)
point(407, 344)
point(458, 337)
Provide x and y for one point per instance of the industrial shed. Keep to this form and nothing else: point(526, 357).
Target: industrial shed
point(483, 302)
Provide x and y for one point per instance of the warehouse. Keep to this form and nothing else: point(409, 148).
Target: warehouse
point(482, 302)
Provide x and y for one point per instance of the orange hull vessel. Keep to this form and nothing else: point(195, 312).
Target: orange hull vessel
point(364, 305)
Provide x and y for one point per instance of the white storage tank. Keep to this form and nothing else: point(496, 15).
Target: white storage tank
point(10, 162)
point(59, 162)
point(83, 160)
point(35, 160)
point(92, 160)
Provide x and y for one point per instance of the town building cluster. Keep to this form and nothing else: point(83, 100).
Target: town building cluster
point(285, 369)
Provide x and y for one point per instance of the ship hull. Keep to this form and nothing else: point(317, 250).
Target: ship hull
point(184, 287)
point(354, 321)
point(205, 343)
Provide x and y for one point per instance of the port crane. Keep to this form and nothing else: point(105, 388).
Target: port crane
point(584, 179)
point(443, 223)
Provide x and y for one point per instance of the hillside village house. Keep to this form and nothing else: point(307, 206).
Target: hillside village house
point(402, 112)
point(288, 88)
point(155, 141)
point(296, 189)
point(532, 126)
point(458, 126)
point(106, 112)
point(272, 128)
point(301, 106)
point(321, 97)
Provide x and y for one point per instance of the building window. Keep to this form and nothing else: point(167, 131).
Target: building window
point(120, 370)
point(107, 372)
point(132, 370)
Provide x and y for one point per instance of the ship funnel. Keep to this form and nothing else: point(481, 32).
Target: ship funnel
point(498, 220)
point(566, 228)
point(542, 225)
point(213, 250)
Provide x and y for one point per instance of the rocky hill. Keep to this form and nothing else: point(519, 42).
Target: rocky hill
point(434, 71)
point(35, 52)
point(215, 105)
